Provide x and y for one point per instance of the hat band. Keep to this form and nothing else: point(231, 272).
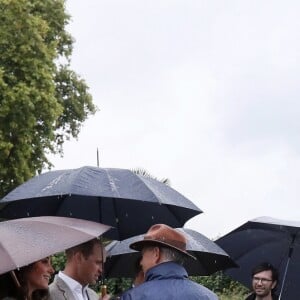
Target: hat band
point(172, 243)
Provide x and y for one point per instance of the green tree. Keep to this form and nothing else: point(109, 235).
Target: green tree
point(42, 101)
point(145, 173)
point(221, 284)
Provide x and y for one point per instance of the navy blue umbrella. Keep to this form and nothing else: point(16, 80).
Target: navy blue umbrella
point(270, 240)
point(129, 202)
point(210, 258)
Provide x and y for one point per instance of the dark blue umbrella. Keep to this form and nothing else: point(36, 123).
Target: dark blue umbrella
point(270, 240)
point(210, 257)
point(129, 202)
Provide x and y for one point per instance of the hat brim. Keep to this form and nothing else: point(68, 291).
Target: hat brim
point(139, 245)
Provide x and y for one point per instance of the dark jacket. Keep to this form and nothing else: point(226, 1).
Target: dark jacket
point(168, 281)
point(253, 296)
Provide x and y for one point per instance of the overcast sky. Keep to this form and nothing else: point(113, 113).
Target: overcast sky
point(205, 93)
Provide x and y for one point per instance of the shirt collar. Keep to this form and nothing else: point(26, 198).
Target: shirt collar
point(72, 283)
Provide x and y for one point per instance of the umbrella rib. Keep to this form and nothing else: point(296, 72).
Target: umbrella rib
point(291, 248)
point(115, 213)
point(101, 215)
point(170, 207)
point(63, 197)
point(112, 183)
point(150, 190)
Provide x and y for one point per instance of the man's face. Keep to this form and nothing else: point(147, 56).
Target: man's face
point(263, 284)
point(150, 256)
point(91, 267)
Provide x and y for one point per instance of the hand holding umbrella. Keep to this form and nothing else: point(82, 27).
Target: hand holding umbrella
point(24, 241)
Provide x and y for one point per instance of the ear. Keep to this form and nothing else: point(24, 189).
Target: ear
point(274, 284)
point(156, 254)
point(78, 257)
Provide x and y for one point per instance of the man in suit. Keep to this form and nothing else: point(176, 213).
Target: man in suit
point(83, 267)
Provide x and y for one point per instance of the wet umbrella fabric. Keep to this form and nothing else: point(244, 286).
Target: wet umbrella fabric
point(23, 241)
point(270, 240)
point(120, 198)
point(121, 259)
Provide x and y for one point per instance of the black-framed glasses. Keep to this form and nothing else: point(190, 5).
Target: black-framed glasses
point(262, 280)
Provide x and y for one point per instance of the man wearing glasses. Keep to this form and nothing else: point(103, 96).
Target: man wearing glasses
point(264, 281)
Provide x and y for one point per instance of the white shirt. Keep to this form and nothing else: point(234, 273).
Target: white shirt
point(79, 292)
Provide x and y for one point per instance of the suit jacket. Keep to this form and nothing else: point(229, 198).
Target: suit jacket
point(59, 290)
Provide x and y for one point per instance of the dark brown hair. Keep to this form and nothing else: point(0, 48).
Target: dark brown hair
point(265, 266)
point(85, 248)
point(8, 287)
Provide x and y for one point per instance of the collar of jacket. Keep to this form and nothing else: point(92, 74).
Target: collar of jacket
point(166, 270)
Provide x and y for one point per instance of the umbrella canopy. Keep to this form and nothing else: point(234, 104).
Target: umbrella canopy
point(121, 259)
point(24, 241)
point(120, 198)
point(270, 240)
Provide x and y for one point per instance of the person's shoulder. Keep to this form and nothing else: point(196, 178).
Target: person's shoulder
point(55, 279)
point(53, 284)
point(201, 289)
point(250, 297)
point(57, 289)
point(126, 295)
point(132, 293)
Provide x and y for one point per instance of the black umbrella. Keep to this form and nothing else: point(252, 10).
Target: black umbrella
point(121, 259)
point(271, 240)
point(117, 197)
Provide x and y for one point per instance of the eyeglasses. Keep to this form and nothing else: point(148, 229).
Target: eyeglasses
point(262, 280)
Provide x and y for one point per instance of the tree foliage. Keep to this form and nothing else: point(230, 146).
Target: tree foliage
point(145, 173)
point(42, 101)
point(221, 284)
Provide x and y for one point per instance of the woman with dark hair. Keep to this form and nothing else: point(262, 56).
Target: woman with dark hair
point(27, 283)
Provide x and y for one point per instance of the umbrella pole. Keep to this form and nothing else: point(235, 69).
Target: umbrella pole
point(103, 285)
point(287, 265)
point(15, 279)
